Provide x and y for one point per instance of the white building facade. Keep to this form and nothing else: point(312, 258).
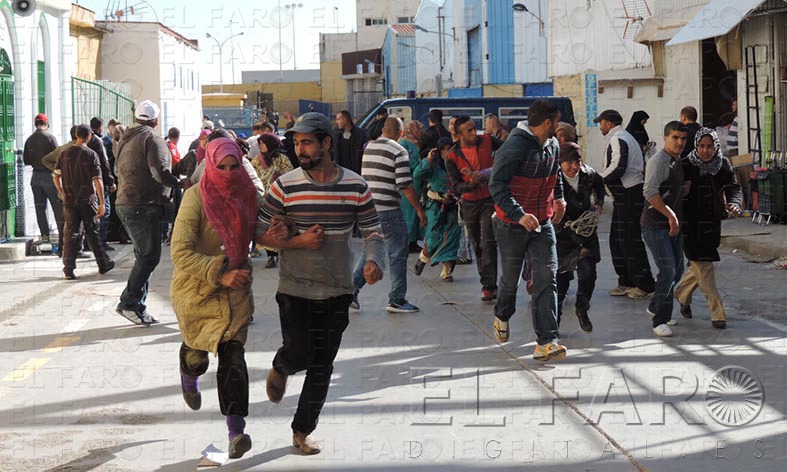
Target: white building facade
point(35, 77)
point(160, 65)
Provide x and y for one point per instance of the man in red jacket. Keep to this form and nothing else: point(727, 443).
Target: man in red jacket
point(469, 165)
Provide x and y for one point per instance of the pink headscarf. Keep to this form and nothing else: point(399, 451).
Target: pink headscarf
point(200, 149)
point(230, 200)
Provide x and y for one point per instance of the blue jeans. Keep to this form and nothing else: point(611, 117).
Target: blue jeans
point(668, 254)
point(396, 246)
point(44, 191)
point(142, 224)
point(515, 243)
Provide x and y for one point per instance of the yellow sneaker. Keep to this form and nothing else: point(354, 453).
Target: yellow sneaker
point(501, 330)
point(550, 352)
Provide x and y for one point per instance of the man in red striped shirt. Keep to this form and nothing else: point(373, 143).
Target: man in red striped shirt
point(469, 165)
point(319, 202)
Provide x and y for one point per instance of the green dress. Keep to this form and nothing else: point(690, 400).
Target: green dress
point(443, 231)
point(414, 230)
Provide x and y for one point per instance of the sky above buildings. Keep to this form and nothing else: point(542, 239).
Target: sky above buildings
point(268, 42)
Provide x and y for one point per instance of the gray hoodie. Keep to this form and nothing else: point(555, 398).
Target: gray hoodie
point(143, 166)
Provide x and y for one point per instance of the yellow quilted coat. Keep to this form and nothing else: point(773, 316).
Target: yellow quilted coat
point(208, 313)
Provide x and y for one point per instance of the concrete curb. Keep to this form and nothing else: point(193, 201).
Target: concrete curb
point(754, 248)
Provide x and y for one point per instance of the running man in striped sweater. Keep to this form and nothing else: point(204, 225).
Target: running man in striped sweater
point(386, 166)
point(319, 203)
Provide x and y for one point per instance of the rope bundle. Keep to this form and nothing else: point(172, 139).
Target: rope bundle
point(585, 225)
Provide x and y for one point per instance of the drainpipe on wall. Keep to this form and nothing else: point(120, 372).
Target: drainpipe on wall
point(65, 77)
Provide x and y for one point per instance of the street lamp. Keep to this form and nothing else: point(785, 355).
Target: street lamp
point(293, 6)
point(440, 40)
point(522, 8)
point(221, 57)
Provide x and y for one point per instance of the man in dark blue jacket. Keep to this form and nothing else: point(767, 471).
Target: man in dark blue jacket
point(528, 195)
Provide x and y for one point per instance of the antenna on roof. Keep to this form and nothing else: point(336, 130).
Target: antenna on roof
point(120, 10)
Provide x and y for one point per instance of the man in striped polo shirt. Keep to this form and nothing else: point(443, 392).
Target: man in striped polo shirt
point(319, 203)
point(386, 166)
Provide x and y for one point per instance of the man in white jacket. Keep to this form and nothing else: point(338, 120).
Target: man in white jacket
point(624, 176)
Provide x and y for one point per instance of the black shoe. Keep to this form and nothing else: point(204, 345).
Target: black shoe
point(103, 270)
point(584, 321)
point(69, 273)
point(419, 266)
point(271, 262)
point(685, 310)
point(719, 324)
point(107, 247)
point(82, 255)
point(240, 445)
point(463, 261)
point(192, 398)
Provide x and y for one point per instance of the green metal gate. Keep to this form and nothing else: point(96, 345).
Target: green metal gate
point(103, 99)
point(7, 161)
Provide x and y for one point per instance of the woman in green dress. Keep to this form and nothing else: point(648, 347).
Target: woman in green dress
point(411, 141)
point(442, 231)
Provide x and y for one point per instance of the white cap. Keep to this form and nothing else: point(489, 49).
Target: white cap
point(207, 124)
point(147, 110)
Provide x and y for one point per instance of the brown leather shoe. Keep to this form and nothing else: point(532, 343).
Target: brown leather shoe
point(275, 385)
point(305, 443)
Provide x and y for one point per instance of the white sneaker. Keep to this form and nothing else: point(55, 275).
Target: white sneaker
point(662, 330)
point(670, 322)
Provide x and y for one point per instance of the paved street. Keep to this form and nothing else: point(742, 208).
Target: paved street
point(84, 390)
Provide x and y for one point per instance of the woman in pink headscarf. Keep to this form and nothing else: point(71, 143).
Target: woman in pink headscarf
point(211, 283)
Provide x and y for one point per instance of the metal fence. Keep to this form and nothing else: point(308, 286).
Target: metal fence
point(101, 98)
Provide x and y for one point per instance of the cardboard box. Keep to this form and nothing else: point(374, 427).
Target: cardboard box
point(741, 160)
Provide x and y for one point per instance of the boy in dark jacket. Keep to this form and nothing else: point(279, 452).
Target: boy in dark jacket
point(528, 195)
point(713, 195)
point(578, 251)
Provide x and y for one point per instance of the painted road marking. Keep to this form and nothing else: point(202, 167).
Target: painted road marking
point(26, 370)
point(58, 344)
point(75, 325)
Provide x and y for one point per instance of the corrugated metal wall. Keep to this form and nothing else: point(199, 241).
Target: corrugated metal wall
point(500, 43)
point(407, 62)
point(530, 43)
point(389, 61)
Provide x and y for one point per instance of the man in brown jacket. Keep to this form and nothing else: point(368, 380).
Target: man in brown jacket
point(143, 167)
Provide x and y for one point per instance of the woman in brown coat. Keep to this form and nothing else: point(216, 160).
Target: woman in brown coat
point(211, 283)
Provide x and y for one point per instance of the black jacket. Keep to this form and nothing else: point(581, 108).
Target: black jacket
point(569, 243)
point(349, 152)
point(375, 128)
point(703, 209)
point(38, 145)
point(691, 133)
point(97, 145)
point(431, 136)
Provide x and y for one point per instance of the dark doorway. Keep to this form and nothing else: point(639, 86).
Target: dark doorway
point(719, 87)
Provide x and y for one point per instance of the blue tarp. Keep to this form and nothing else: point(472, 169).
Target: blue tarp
point(470, 92)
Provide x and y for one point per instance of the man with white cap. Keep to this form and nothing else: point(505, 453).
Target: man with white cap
point(143, 168)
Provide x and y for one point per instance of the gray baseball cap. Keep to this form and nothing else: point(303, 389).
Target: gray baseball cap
point(311, 122)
